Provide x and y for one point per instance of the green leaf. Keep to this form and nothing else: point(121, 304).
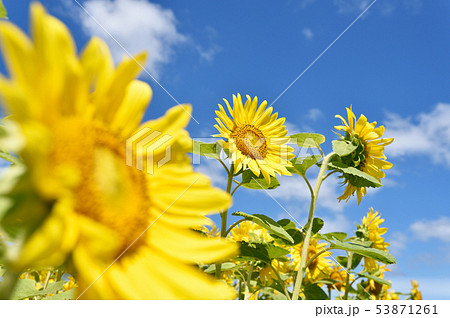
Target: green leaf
point(339, 236)
point(301, 165)
point(314, 292)
point(66, 295)
point(375, 278)
point(360, 179)
point(317, 225)
point(343, 147)
point(251, 181)
point(308, 140)
point(374, 253)
point(356, 259)
point(3, 12)
point(261, 251)
point(292, 230)
point(211, 150)
point(287, 224)
point(227, 266)
point(266, 222)
point(52, 288)
point(24, 288)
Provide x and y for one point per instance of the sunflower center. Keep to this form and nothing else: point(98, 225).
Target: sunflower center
point(106, 189)
point(250, 141)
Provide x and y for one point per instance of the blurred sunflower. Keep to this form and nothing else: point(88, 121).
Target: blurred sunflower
point(255, 137)
point(368, 157)
point(415, 293)
point(320, 267)
point(249, 231)
point(127, 232)
point(339, 274)
point(371, 231)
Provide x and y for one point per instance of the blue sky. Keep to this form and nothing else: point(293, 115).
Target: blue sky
point(392, 64)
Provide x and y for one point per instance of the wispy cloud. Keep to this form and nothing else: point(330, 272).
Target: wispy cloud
point(314, 114)
point(351, 6)
point(307, 33)
point(137, 25)
point(432, 229)
point(427, 134)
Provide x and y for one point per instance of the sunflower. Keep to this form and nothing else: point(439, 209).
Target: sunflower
point(339, 274)
point(126, 232)
point(371, 231)
point(320, 267)
point(368, 157)
point(255, 137)
point(374, 287)
point(415, 293)
point(267, 274)
point(248, 231)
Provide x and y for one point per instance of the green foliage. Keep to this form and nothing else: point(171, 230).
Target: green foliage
point(66, 295)
point(261, 251)
point(227, 266)
point(360, 249)
point(26, 288)
point(308, 140)
point(251, 181)
point(375, 278)
point(343, 147)
point(356, 260)
point(301, 165)
point(292, 230)
point(3, 13)
point(211, 150)
point(314, 292)
point(317, 225)
point(355, 176)
point(266, 222)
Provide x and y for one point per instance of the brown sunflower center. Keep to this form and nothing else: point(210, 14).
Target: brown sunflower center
point(105, 188)
point(250, 141)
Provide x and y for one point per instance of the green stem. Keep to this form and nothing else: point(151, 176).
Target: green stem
point(286, 292)
point(304, 254)
point(247, 285)
point(317, 255)
point(224, 215)
point(232, 226)
point(349, 265)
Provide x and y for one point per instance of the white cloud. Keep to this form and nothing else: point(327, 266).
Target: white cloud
point(397, 241)
point(430, 287)
point(307, 33)
point(137, 25)
point(432, 229)
point(337, 223)
point(350, 6)
point(314, 114)
point(427, 134)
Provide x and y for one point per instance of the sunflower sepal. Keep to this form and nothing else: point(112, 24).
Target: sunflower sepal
point(344, 147)
point(252, 181)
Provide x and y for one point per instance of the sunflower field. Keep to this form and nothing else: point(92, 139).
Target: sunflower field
point(97, 203)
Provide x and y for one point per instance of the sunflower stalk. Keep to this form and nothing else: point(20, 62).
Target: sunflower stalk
point(247, 285)
point(224, 216)
point(314, 195)
point(349, 265)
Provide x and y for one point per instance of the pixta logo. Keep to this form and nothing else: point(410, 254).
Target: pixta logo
point(149, 148)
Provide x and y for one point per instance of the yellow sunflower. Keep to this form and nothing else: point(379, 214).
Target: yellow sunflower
point(415, 293)
point(373, 287)
point(248, 231)
point(255, 137)
point(267, 274)
point(320, 267)
point(371, 231)
point(339, 274)
point(369, 156)
point(127, 232)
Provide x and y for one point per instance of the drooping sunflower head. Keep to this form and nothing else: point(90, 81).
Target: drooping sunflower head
point(368, 156)
point(320, 267)
point(370, 230)
point(87, 162)
point(255, 137)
